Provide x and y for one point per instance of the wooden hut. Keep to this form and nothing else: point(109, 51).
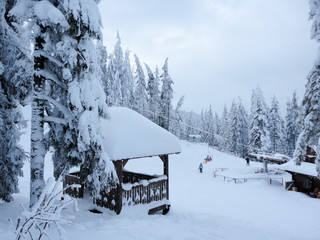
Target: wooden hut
point(304, 176)
point(128, 136)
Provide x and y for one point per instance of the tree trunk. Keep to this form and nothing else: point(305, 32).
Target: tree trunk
point(37, 129)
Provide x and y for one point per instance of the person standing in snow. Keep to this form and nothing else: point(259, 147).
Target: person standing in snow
point(247, 160)
point(200, 167)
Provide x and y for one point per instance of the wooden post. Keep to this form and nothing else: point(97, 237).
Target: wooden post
point(265, 166)
point(165, 160)
point(118, 198)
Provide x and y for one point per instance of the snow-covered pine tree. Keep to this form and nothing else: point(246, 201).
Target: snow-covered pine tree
point(175, 126)
point(127, 83)
point(311, 101)
point(233, 135)
point(153, 95)
point(46, 22)
point(210, 127)
point(191, 123)
point(276, 128)
point(242, 148)
point(11, 154)
point(166, 97)
point(238, 129)
point(259, 136)
point(115, 75)
point(86, 98)
point(14, 88)
point(224, 132)
point(293, 128)
point(140, 93)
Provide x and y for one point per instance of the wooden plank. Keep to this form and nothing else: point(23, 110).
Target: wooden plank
point(157, 209)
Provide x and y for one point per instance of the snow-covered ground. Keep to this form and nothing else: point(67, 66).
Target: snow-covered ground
point(203, 207)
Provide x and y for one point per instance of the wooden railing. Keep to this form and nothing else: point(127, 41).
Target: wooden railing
point(243, 179)
point(136, 189)
point(76, 189)
point(145, 191)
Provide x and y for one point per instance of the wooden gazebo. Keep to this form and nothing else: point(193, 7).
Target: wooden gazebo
point(129, 135)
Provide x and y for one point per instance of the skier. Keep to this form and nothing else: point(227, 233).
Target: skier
point(200, 167)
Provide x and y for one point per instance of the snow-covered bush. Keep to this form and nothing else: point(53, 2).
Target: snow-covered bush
point(45, 214)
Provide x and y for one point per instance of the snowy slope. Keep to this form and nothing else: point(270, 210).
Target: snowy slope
point(202, 207)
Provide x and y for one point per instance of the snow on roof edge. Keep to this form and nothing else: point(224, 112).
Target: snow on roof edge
point(129, 135)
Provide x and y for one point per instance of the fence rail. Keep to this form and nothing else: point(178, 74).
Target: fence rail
point(76, 189)
point(140, 194)
point(136, 189)
point(241, 180)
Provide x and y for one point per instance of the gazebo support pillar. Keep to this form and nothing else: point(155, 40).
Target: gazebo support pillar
point(118, 197)
point(165, 160)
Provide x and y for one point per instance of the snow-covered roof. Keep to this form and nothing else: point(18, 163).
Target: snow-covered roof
point(305, 168)
point(127, 134)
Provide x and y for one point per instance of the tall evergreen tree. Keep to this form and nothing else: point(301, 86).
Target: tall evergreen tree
point(311, 101)
point(276, 128)
point(293, 127)
point(140, 94)
point(15, 77)
point(209, 127)
point(115, 75)
point(166, 96)
point(259, 136)
point(127, 83)
point(45, 30)
point(238, 129)
point(86, 98)
point(224, 132)
point(153, 95)
point(175, 126)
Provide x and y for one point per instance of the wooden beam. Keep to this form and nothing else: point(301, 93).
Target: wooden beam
point(124, 162)
point(165, 160)
point(118, 198)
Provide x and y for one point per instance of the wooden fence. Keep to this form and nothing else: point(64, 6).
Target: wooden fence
point(76, 189)
point(241, 180)
point(136, 189)
point(145, 192)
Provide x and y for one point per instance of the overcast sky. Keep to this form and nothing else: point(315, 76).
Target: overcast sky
point(218, 49)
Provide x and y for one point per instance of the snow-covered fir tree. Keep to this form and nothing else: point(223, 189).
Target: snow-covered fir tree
point(11, 154)
point(176, 127)
point(192, 124)
point(153, 95)
point(224, 130)
point(238, 129)
point(207, 133)
point(115, 75)
point(276, 128)
point(293, 128)
point(127, 83)
point(47, 22)
point(86, 98)
point(140, 93)
point(311, 100)
point(15, 78)
point(259, 136)
point(166, 96)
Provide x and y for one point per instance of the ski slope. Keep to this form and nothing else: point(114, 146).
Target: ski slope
point(203, 207)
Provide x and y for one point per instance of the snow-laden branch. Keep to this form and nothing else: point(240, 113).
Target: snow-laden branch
point(39, 53)
point(52, 77)
point(55, 120)
point(62, 108)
